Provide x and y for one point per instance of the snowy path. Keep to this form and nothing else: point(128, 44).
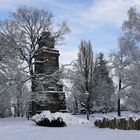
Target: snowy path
point(21, 129)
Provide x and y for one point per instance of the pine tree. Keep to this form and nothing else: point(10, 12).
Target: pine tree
point(103, 86)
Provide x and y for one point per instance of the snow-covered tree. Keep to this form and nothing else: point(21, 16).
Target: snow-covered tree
point(5, 102)
point(22, 31)
point(130, 42)
point(125, 60)
point(103, 86)
point(119, 63)
point(81, 76)
point(8, 64)
point(12, 75)
point(20, 95)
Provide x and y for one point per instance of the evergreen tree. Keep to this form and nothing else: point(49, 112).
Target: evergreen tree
point(103, 86)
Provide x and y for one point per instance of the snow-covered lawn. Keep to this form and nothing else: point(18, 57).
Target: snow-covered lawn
point(22, 129)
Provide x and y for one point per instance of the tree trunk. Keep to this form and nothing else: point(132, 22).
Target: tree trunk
point(33, 86)
point(119, 104)
point(33, 109)
point(88, 109)
point(119, 107)
point(18, 108)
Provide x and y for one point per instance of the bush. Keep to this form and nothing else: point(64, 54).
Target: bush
point(46, 118)
point(51, 123)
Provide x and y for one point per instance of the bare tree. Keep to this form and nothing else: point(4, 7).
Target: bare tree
point(81, 75)
point(130, 42)
point(22, 31)
point(120, 63)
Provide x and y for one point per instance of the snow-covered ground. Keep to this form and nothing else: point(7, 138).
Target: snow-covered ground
point(22, 129)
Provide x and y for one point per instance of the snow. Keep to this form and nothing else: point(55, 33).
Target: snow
point(124, 114)
point(67, 118)
point(22, 129)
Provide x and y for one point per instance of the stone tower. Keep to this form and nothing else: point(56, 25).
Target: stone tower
point(46, 67)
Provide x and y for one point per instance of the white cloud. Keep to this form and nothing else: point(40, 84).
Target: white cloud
point(113, 12)
point(8, 5)
point(87, 21)
point(67, 56)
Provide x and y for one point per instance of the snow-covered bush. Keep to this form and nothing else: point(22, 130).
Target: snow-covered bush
point(5, 105)
point(58, 122)
point(57, 118)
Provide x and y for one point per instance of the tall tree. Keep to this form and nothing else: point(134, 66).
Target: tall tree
point(20, 95)
point(22, 31)
point(130, 43)
point(126, 58)
point(9, 65)
point(81, 76)
point(119, 62)
point(103, 86)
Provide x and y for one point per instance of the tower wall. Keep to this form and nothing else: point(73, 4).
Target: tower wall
point(47, 63)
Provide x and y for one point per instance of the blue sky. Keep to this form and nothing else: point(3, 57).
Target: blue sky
point(96, 20)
